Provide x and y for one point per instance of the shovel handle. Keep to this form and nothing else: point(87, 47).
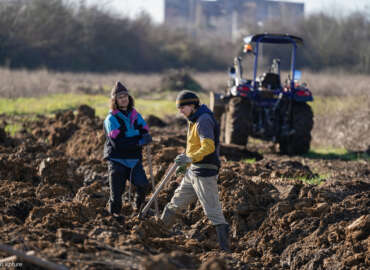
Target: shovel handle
point(167, 177)
point(149, 156)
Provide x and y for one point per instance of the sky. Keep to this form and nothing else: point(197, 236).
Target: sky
point(155, 8)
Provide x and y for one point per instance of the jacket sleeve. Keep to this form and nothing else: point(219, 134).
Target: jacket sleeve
point(207, 147)
point(112, 127)
point(142, 125)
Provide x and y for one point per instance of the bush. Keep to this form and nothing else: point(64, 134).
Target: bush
point(175, 80)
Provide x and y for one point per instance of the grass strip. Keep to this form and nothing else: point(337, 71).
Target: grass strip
point(317, 180)
point(53, 103)
point(322, 106)
point(336, 153)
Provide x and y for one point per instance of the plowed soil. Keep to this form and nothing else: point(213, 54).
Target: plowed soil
point(54, 190)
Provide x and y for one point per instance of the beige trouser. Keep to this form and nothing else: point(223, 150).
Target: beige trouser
point(203, 188)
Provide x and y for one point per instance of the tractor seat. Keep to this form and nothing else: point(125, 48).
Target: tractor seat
point(271, 81)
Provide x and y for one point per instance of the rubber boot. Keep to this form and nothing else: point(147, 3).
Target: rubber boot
point(140, 197)
point(115, 211)
point(119, 218)
point(223, 237)
point(168, 217)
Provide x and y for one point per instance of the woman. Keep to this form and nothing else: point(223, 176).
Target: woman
point(126, 133)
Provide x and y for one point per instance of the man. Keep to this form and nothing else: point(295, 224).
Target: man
point(200, 164)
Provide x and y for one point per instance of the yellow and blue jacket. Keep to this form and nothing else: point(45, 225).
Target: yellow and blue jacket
point(203, 143)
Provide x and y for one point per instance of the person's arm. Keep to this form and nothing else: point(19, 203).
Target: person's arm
point(143, 128)
point(112, 127)
point(142, 125)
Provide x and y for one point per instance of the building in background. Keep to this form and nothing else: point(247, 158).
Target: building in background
point(228, 18)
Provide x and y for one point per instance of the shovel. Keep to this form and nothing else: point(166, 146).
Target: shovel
point(149, 155)
point(163, 182)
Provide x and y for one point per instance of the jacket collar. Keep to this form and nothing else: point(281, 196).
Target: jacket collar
point(132, 115)
point(201, 110)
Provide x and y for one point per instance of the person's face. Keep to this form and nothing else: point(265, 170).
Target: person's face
point(122, 101)
point(186, 110)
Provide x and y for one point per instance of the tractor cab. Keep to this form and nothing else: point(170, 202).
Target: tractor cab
point(271, 79)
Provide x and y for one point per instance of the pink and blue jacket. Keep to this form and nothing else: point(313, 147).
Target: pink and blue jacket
point(123, 133)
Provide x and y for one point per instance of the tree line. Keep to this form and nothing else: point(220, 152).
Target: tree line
point(58, 35)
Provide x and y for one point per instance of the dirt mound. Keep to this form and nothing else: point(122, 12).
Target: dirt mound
point(92, 196)
point(18, 169)
point(173, 260)
point(154, 121)
point(54, 190)
point(3, 136)
point(85, 111)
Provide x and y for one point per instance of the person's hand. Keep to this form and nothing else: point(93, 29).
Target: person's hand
point(180, 170)
point(182, 160)
point(145, 139)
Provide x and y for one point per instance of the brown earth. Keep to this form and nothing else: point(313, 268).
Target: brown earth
point(53, 194)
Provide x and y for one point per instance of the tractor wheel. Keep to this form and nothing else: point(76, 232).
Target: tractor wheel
point(302, 123)
point(238, 121)
point(216, 105)
point(222, 127)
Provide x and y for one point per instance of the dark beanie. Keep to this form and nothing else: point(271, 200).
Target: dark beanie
point(186, 97)
point(118, 89)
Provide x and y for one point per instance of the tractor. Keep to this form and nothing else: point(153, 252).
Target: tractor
point(264, 107)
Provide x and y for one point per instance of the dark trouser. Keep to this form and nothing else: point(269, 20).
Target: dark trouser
point(118, 174)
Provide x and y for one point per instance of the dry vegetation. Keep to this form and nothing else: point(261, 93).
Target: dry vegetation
point(25, 83)
point(341, 108)
point(338, 83)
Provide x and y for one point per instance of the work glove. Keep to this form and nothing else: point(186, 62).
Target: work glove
point(145, 139)
point(180, 170)
point(182, 160)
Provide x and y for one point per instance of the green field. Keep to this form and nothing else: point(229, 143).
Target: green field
point(50, 104)
point(335, 153)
